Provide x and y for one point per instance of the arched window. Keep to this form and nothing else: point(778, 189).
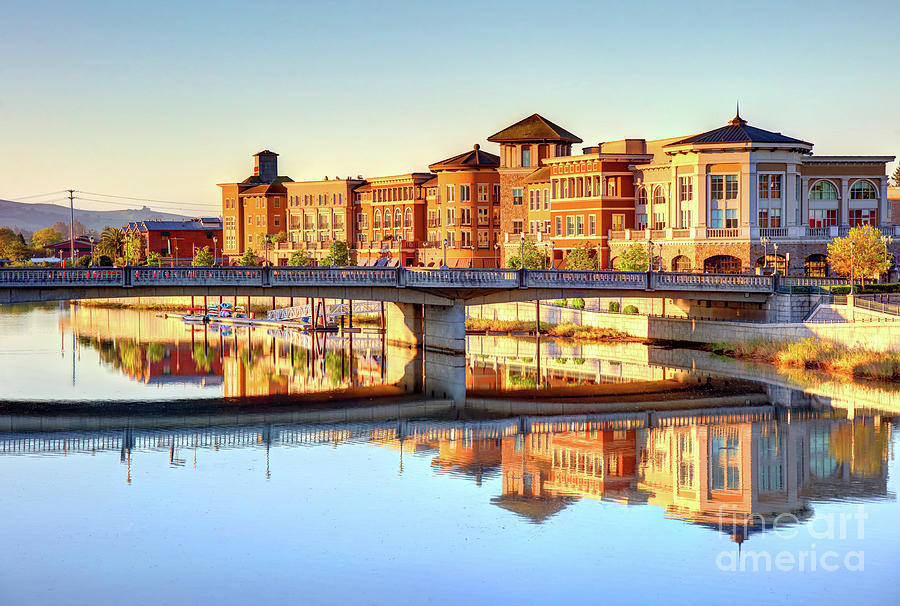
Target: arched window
point(376, 221)
point(387, 218)
point(681, 264)
point(398, 218)
point(777, 263)
point(407, 222)
point(823, 190)
point(863, 190)
point(611, 187)
point(722, 264)
point(659, 195)
point(642, 195)
point(816, 266)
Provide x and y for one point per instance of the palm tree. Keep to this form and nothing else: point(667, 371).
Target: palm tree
point(111, 241)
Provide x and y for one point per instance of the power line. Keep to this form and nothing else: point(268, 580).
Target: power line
point(19, 198)
point(149, 199)
point(125, 206)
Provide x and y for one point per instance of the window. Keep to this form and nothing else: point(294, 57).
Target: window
point(526, 156)
point(579, 225)
point(863, 190)
point(587, 187)
point(451, 193)
point(531, 199)
point(547, 199)
point(685, 189)
point(517, 196)
point(408, 220)
point(642, 195)
point(496, 214)
point(277, 221)
point(659, 220)
point(823, 190)
point(496, 194)
point(862, 216)
point(618, 222)
point(687, 219)
point(482, 192)
point(451, 239)
point(465, 216)
point(277, 202)
point(731, 221)
point(570, 225)
point(716, 187)
point(823, 218)
point(260, 220)
point(451, 216)
point(640, 220)
point(376, 220)
point(659, 195)
point(770, 187)
point(715, 219)
point(465, 193)
point(483, 241)
point(387, 218)
point(770, 217)
point(517, 227)
point(483, 216)
point(465, 238)
point(558, 226)
point(362, 221)
point(249, 219)
point(592, 225)
point(398, 218)
point(731, 187)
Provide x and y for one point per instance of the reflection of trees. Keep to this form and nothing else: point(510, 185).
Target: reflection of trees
point(864, 446)
point(204, 356)
point(128, 356)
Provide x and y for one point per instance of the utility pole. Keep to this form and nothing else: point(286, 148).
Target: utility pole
point(72, 226)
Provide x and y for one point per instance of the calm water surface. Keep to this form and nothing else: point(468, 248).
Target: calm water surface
point(228, 466)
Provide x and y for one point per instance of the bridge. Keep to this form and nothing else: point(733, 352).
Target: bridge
point(426, 305)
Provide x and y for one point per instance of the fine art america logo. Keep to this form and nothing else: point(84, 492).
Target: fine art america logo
point(797, 541)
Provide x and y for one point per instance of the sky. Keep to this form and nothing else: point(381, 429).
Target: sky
point(163, 100)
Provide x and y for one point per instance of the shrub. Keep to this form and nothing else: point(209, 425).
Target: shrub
point(631, 309)
point(561, 302)
point(84, 261)
point(613, 307)
point(578, 303)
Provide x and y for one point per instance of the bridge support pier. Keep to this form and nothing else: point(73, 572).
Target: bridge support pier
point(440, 328)
point(445, 377)
point(403, 323)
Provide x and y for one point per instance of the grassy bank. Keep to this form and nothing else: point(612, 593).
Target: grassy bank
point(567, 331)
point(825, 356)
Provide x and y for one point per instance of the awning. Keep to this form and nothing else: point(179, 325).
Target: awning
point(393, 262)
point(382, 262)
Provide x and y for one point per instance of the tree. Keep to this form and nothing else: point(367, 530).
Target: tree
point(866, 249)
point(44, 237)
point(111, 241)
point(634, 258)
point(279, 238)
point(248, 259)
point(63, 228)
point(299, 258)
point(896, 176)
point(134, 249)
point(15, 250)
point(580, 258)
point(6, 236)
point(534, 257)
point(154, 259)
point(338, 254)
point(203, 258)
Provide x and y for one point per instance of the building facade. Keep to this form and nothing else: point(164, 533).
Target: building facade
point(178, 241)
point(390, 219)
point(319, 213)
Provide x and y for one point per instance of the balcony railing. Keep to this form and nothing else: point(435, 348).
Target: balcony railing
point(773, 232)
point(725, 233)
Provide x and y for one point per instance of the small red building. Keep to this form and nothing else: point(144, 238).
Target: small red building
point(179, 240)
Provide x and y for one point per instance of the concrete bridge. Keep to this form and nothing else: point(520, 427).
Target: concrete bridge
point(427, 306)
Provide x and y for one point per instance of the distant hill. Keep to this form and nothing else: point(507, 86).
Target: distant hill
point(28, 218)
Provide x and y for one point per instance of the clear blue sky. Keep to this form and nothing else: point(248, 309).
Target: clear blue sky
point(163, 99)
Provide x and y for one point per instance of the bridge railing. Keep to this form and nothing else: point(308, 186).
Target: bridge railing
point(552, 278)
point(47, 276)
point(195, 276)
point(463, 278)
point(331, 276)
point(730, 282)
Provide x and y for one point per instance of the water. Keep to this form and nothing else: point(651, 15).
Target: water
point(251, 466)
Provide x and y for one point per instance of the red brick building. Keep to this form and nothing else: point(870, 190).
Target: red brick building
point(390, 219)
point(178, 241)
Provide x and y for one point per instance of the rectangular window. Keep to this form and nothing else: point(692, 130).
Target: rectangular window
point(517, 196)
point(451, 193)
point(570, 225)
point(531, 193)
point(249, 219)
point(482, 192)
point(823, 218)
point(687, 219)
point(715, 219)
point(517, 227)
point(686, 188)
point(558, 226)
point(483, 241)
point(483, 216)
point(526, 156)
point(277, 221)
point(659, 220)
point(496, 199)
point(579, 225)
point(465, 216)
point(451, 239)
point(731, 221)
point(716, 187)
point(277, 202)
point(864, 216)
point(640, 220)
point(465, 193)
point(618, 222)
point(731, 187)
point(465, 238)
point(362, 220)
point(592, 225)
point(451, 216)
point(547, 199)
point(496, 217)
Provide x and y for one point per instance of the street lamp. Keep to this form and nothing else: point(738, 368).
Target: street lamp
point(649, 255)
point(775, 248)
point(268, 239)
point(552, 255)
point(215, 250)
point(444, 246)
point(92, 249)
point(765, 243)
point(400, 248)
point(522, 251)
point(852, 246)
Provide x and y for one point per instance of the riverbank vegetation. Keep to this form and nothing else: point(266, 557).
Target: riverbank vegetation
point(565, 331)
point(820, 355)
